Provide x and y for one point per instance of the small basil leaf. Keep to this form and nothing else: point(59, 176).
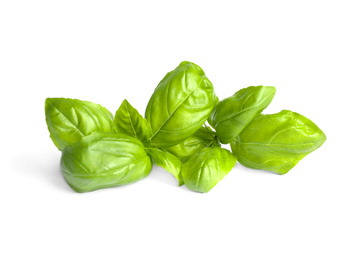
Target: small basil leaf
point(103, 160)
point(69, 120)
point(233, 114)
point(203, 138)
point(168, 162)
point(206, 168)
point(128, 121)
point(277, 142)
point(180, 105)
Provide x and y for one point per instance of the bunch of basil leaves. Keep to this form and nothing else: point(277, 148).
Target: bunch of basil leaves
point(100, 150)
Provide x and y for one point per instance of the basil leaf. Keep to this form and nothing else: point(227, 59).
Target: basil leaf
point(69, 120)
point(203, 138)
point(233, 114)
point(206, 168)
point(277, 142)
point(103, 160)
point(180, 105)
point(168, 162)
point(128, 121)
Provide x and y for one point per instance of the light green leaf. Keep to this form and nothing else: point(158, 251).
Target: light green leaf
point(168, 162)
point(69, 120)
point(277, 142)
point(231, 115)
point(103, 160)
point(128, 121)
point(203, 138)
point(180, 105)
point(206, 168)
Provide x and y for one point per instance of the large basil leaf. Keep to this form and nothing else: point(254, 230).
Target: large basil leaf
point(180, 105)
point(203, 138)
point(128, 121)
point(69, 120)
point(167, 161)
point(231, 115)
point(103, 160)
point(206, 168)
point(277, 142)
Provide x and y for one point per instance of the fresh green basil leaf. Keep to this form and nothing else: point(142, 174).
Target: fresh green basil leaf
point(180, 105)
point(128, 121)
point(206, 168)
point(103, 160)
point(167, 161)
point(203, 138)
point(231, 115)
point(277, 142)
point(69, 120)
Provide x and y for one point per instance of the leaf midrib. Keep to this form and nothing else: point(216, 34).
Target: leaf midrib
point(243, 110)
point(174, 112)
point(201, 168)
point(114, 171)
point(75, 126)
point(131, 122)
point(275, 144)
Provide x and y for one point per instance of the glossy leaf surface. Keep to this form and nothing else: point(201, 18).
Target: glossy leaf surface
point(231, 115)
point(167, 161)
point(203, 138)
point(128, 121)
point(69, 120)
point(103, 160)
point(277, 142)
point(180, 105)
point(206, 168)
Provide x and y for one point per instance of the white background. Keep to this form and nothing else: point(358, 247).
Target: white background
point(105, 51)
